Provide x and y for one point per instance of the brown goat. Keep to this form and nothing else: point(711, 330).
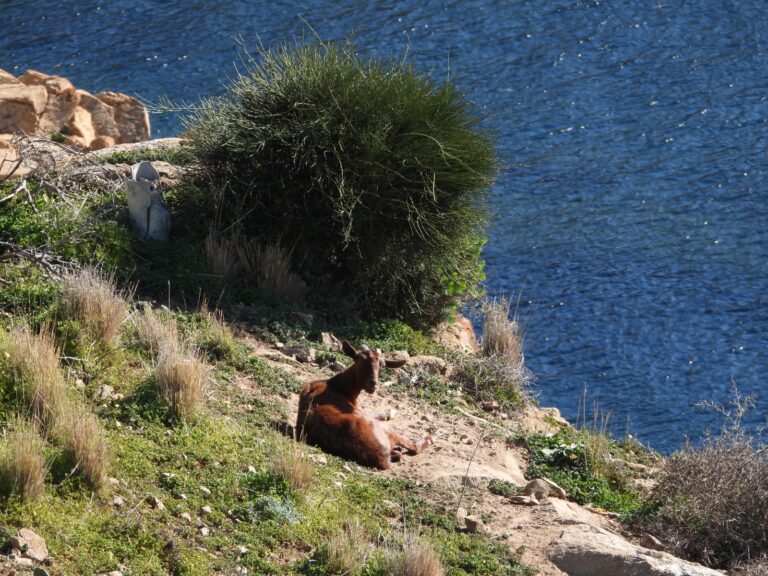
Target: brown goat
point(330, 416)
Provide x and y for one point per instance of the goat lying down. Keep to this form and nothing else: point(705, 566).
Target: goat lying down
point(330, 416)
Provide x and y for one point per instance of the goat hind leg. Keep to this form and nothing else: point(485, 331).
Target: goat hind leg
point(399, 441)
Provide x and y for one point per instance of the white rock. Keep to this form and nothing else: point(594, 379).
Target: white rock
point(585, 550)
point(30, 544)
point(205, 490)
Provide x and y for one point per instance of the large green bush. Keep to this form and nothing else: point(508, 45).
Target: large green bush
point(373, 174)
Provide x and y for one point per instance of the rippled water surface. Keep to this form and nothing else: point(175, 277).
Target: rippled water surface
point(631, 216)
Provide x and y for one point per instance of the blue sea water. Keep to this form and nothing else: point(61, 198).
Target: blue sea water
point(631, 213)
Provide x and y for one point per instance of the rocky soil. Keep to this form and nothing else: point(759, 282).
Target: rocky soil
point(556, 536)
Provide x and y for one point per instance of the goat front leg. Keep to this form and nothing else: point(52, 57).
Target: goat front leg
point(385, 415)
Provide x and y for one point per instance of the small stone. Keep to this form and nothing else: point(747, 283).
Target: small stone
point(106, 392)
point(113, 481)
point(182, 496)
point(79, 384)
point(557, 490)
point(338, 484)
point(650, 541)
point(330, 341)
point(38, 572)
point(167, 475)
point(466, 439)
point(155, 502)
point(398, 356)
point(242, 550)
point(347, 468)
point(538, 488)
point(115, 573)
point(475, 525)
point(205, 490)
point(304, 354)
point(490, 405)
point(30, 544)
point(318, 459)
point(206, 511)
point(185, 516)
point(21, 561)
point(251, 470)
point(204, 531)
point(118, 501)
point(524, 500)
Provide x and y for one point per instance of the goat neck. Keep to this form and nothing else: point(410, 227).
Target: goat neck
point(347, 383)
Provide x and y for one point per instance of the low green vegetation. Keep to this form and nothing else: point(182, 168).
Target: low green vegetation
point(587, 476)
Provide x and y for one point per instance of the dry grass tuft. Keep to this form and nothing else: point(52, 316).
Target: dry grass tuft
point(22, 466)
point(418, 558)
point(156, 333)
point(502, 337)
point(710, 504)
point(216, 338)
point(291, 464)
point(179, 370)
point(270, 267)
point(35, 359)
point(595, 437)
point(85, 441)
point(221, 254)
point(492, 378)
point(93, 298)
point(345, 550)
point(757, 567)
point(182, 377)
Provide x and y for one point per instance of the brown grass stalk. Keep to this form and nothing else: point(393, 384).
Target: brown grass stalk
point(290, 463)
point(270, 267)
point(92, 297)
point(502, 336)
point(62, 418)
point(157, 334)
point(417, 558)
point(35, 360)
point(182, 377)
point(22, 465)
point(85, 442)
point(221, 254)
point(345, 550)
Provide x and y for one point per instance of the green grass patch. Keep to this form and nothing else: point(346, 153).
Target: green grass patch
point(562, 457)
point(176, 155)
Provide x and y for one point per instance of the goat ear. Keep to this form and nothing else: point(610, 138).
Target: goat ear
point(395, 363)
point(347, 348)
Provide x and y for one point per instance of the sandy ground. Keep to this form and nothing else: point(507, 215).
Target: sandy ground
point(466, 455)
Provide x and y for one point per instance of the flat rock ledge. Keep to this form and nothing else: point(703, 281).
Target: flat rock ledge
point(586, 550)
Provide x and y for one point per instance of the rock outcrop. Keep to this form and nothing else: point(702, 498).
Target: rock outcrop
point(41, 104)
point(585, 550)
